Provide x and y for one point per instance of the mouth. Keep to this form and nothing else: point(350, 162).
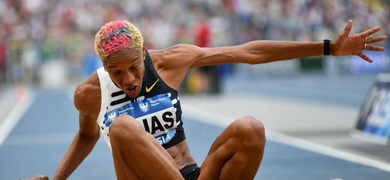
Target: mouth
point(132, 91)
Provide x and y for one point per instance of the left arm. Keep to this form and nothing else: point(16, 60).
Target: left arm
point(173, 63)
point(262, 51)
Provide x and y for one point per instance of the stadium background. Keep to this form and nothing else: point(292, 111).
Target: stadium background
point(49, 45)
point(38, 34)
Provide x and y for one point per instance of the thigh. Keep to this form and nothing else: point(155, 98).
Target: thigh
point(237, 151)
point(137, 154)
point(122, 169)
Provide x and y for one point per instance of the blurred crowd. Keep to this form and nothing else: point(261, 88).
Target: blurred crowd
point(36, 32)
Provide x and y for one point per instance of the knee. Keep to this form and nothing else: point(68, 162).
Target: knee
point(251, 133)
point(122, 127)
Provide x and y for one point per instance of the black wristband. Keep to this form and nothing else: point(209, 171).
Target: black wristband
point(326, 47)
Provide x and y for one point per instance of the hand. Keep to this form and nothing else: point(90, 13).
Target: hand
point(40, 177)
point(346, 45)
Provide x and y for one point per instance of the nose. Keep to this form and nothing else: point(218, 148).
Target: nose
point(128, 78)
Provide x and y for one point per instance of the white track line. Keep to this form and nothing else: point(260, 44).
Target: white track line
point(222, 121)
point(43, 139)
point(23, 104)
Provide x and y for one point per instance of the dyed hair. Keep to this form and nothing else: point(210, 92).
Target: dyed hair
point(117, 35)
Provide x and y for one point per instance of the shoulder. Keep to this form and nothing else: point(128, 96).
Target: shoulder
point(192, 56)
point(177, 53)
point(173, 63)
point(177, 56)
point(87, 96)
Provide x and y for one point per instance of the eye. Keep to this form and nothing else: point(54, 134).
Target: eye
point(116, 72)
point(134, 68)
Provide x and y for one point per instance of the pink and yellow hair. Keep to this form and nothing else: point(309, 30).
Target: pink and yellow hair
point(117, 35)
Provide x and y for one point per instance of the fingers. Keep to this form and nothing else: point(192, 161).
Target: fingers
point(373, 48)
point(376, 39)
point(364, 57)
point(370, 31)
point(369, 46)
point(369, 40)
point(347, 29)
point(361, 41)
point(41, 177)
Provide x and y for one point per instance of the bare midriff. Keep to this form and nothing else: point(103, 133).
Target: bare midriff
point(181, 155)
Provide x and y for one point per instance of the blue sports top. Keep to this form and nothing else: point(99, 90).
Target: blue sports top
point(157, 108)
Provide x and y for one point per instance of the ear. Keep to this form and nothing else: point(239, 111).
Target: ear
point(143, 52)
point(104, 66)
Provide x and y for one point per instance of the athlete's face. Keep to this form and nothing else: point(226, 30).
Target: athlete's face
point(126, 69)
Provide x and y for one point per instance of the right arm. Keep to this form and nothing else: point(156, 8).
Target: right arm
point(88, 134)
point(83, 143)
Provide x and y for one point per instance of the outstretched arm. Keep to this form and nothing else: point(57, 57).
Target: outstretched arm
point(179, 58)
point(344, 45)
point(257, 52)
point(263, 51)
